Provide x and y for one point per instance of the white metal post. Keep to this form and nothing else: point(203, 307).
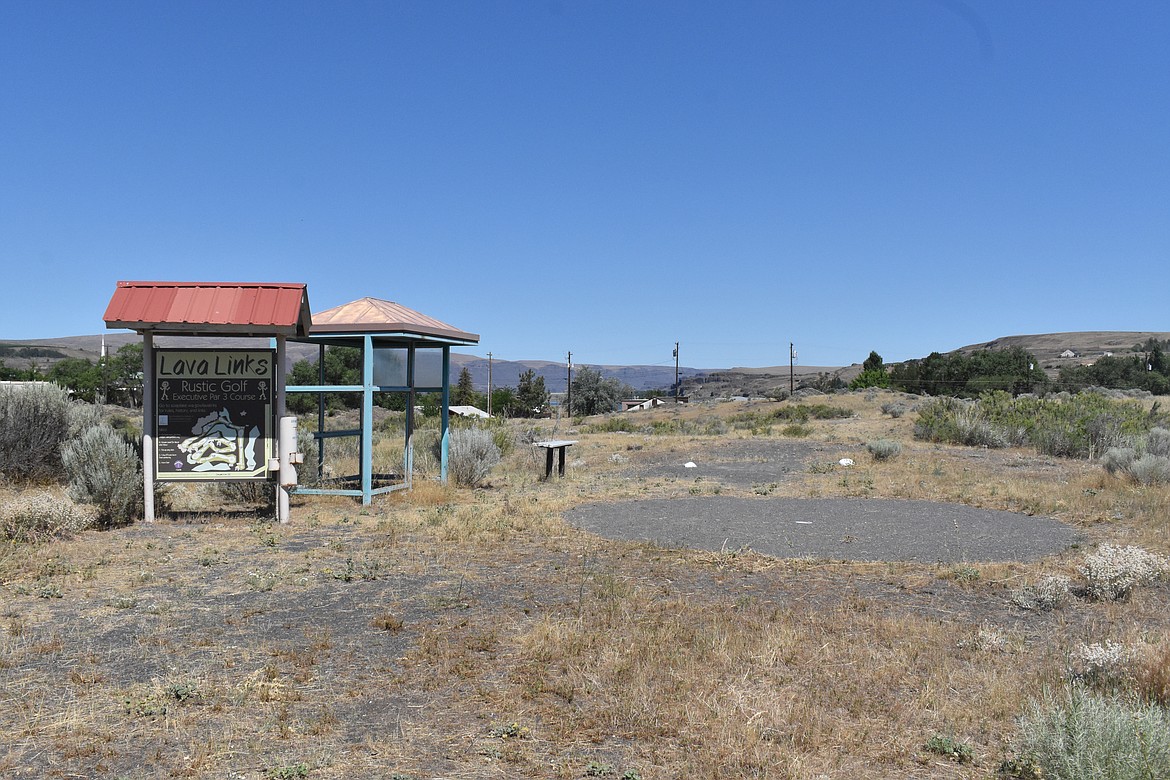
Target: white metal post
point(282, 493)
point(148, 414)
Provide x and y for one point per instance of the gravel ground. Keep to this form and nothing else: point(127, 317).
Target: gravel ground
point(832, 528)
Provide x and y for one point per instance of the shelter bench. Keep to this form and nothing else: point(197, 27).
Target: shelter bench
point(560, 445)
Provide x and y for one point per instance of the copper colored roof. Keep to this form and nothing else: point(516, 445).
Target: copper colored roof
point(211, 308)
point(373, 315)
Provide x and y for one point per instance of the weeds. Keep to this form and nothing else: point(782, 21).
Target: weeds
point(951, 748)
point(1104, 666)
point(1044, 595)
point(1112, 572)
point(39, 516)
point(795, 415)
point(884, 449)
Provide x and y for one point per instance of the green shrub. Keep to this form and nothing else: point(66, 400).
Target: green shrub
point(884, 449)
point(822, 412)
point(471, 456)
point(758, 422)
point(951, 748)
point(1158, 442)
point(894, 409)
point(39, 516)
point(618, 424)
point(1082, 426)
point(504, 441)
point(1151, 470)
point(1087, 735)
point(34, 424)
point(81, 417)
point(104, 470)
point(954, 421)
point(1147, 462)
point(1119, 460)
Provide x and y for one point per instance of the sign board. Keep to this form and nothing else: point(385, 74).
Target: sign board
point(214, 413)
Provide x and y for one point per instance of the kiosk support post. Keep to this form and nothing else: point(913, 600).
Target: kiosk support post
point(148, 426)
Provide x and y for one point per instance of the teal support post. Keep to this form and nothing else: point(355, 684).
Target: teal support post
point(367, 419)
point(445, 416)
point(320, 413)
point(408, 450)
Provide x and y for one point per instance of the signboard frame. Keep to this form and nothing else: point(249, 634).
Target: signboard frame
point(215, 414)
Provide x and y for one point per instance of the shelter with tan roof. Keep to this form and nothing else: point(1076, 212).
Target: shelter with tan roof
point(403, 351)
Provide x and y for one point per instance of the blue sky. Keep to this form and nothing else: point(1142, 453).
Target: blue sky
point(601, 177)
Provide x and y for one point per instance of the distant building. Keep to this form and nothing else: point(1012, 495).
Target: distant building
point(469, 411)
point(1068, 353)
point(640, 404)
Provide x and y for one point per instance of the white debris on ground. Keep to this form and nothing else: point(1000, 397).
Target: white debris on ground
point(846, 461)
point(690, 464)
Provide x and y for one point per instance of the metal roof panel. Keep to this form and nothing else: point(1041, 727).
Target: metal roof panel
point(242, 308)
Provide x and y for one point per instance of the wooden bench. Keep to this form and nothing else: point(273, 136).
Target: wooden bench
point(560, 445)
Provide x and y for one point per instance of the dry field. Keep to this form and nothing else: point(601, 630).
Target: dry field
point(458, 633)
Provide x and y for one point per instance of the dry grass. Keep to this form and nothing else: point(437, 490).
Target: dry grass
point(471, 633)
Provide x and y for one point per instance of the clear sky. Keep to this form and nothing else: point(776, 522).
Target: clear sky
point(601, 177)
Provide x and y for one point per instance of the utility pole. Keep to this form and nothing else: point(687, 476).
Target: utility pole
point(791, 370)
point(102, 364)
point(676, 372)
point(489, 409)
point(569, 386)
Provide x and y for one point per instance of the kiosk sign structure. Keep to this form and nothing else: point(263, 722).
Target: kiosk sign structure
point(215, 413)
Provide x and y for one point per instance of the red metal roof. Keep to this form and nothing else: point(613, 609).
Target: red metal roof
point(373, 315)
point(211, 308)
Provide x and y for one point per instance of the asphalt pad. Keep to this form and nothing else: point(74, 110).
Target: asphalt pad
point(830, 528)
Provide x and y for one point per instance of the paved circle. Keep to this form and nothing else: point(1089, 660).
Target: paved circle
point(833, 528)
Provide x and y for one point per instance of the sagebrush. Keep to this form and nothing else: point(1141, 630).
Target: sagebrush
point(105, 471)
point(471, 455)
point(34, 424)
point(1088, 735)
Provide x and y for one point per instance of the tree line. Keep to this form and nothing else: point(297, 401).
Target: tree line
point(116, 379)
point(1017, 371)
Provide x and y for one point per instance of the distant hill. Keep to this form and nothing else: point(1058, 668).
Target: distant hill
point(1087, 346)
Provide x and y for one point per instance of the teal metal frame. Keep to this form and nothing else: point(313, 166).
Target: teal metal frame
point(368, 341)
